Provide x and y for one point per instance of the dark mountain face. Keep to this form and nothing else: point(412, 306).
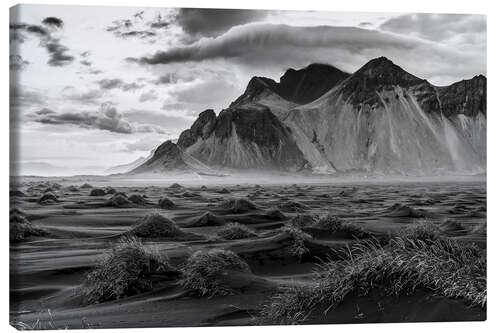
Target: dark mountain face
point(379, 74)
point(379, 119)
point(248, 137)
point(201, 128)
point(466, 97)
point(308, 84)
point(297, 86)
point(168, 156)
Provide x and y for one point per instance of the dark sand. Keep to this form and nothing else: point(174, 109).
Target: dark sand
point(45, 272)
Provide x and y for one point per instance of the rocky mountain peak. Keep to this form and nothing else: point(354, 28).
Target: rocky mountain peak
point(201, 128)
point(298, 86)
point(376, 75)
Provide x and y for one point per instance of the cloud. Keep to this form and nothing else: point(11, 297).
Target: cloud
point(23, 96)
point(110, 83)
point(280, 46)
point(53, 22)
point(145, 144)
point(438, 27)
point(58, 53)
point(17, 63)
point(107, 118)
point(213, 22)
point(148, 96)
point(131, 86)
point(44, 111)
point(87, 97)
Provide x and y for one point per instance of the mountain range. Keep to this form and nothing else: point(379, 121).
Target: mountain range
point(319, 119)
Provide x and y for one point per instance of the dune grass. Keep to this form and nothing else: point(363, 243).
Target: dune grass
point(155, 225)
point(202, 270)
point(20, 228)
point(335, 224)
point(123, 271)
point(297, 248)
point(406, 264)
point(238, 205)
point(235, 231)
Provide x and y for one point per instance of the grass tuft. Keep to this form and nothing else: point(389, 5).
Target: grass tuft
point(235, 231)
point(442, 266)
point(238, 205)
point(335, 224)
point(126, 270)
point(297, 247)
point(201, 272)
point(155, 225)
point(20, 228)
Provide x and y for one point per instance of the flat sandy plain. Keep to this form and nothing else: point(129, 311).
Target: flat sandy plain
point(47, 271)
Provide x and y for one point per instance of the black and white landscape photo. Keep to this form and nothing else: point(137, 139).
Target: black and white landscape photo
point(177, 167)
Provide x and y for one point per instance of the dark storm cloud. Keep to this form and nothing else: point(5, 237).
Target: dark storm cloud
point(281, 46)
point(436, 27)
point(107, 118)
point(262, 42)
point(53, 22)
point(213, 22)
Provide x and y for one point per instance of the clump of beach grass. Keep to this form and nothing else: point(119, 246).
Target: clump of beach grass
point(235, 230)
point(20, 228)
point(125, 270)
point(442, 266)
point(335, 224)
point(202, 271)
point(298, 247)
point(155, 225)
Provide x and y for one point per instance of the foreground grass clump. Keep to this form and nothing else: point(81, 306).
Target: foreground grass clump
point(166, 203)
point(97, 192)
point(303, 220)
point(298, 247)
point(20, 228)
point(335, 224)
point(48, 197)
point(125, 270)
point(155, 225)
point(422, 230)
point(119, 200)
point(235, 231)
point(441, 266)
point(202, 272)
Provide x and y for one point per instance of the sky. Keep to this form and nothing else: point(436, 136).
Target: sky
point(95, 87)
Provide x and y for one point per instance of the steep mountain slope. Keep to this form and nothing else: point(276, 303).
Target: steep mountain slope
point(123, 168)
point(247, 137)
point(383, 119)
point(169, 157)
point(297, 86)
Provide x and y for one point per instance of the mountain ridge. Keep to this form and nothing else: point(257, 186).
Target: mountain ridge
point(379, 119)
